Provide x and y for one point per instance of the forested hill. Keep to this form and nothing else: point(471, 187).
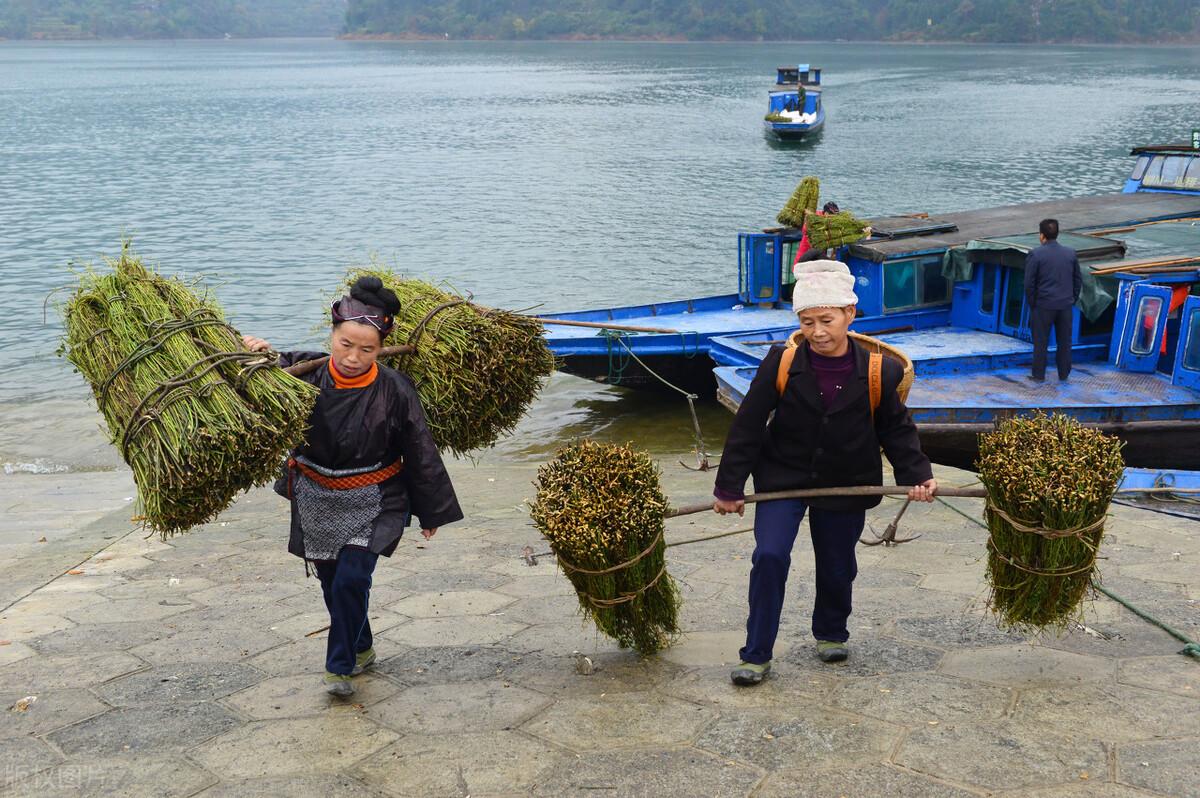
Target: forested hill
point(168, 19)
point(914, 20)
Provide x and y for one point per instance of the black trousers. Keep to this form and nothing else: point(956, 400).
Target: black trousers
point(1040, 323)
point(346, 584)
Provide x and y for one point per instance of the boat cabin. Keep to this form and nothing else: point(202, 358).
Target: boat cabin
point(800, 75)
point(1165, 168)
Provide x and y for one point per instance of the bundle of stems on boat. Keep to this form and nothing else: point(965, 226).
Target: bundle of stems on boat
point(602, 509)
point(826, 231)
point(476, 369)
point(196, 416)
point(803, 199)
point(1050, 481)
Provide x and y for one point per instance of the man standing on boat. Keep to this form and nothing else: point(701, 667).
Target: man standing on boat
point(1052, 285)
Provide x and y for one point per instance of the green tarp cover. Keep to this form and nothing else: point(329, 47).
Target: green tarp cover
point(958, 264)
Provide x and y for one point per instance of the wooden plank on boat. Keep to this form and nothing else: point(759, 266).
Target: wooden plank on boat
point(1144, 264)
point(604, 325)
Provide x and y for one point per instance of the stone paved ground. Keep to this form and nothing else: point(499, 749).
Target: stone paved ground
point(192, 667)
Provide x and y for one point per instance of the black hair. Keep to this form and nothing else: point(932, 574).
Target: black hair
point(831, 207)
point(370, 291)
point(1049, 228)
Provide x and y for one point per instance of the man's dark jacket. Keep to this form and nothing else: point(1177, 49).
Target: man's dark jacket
point(805, 446)
point(1052, 277)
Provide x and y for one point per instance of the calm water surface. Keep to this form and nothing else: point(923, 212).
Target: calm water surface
point(564, 175)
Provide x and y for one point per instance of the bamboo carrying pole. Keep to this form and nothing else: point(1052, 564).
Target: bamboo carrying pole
point(307, 366)
point(812, 493)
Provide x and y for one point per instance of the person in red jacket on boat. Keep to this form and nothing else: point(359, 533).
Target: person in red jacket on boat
point(818, 421)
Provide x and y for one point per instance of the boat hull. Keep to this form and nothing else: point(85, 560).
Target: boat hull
point(793, 132)
point(694, 374)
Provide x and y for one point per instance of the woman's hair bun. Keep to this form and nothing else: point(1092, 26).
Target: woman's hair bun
point(369, 290)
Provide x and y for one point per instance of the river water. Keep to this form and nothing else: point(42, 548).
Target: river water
point(558, 175)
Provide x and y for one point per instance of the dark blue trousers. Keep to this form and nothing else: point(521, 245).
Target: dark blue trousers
point(346, 583)
point(835, 535)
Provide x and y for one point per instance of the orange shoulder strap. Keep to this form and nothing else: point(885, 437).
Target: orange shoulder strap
point(875, 380)
point(785, 364)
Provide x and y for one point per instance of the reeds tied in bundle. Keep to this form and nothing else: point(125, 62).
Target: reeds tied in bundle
point(195, 416)
point(1049, 481)
point(803, 199)
point(476, 369)
point(602, 509)
point(826, 231)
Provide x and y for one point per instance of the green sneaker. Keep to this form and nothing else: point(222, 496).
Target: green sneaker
point(338, 684)
point(747, 674)
point(830, 651)
point(363, 661)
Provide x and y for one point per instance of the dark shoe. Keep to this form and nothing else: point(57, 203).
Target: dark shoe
point(747, 674)
point(363, 661)
point(339, 685)
point(1038, 380)
point(829, 651)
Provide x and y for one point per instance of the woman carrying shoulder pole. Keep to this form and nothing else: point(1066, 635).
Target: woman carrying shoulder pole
point(812, 424)
point(367, 466)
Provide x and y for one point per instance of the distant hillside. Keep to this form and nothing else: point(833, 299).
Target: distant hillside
point(914, 20)
point(168, 19)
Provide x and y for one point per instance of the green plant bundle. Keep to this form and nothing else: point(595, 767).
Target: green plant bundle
point(803, 200)
point(476, 369)
point(834, 229)
point(1053, 475)
point(196, 417)
point(601, 508)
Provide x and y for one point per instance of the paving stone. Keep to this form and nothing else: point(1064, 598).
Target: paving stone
point(140, 610)
point(560, 639)
point(955, 631)
point(619, 671)
point(685, 773)
point(303, 656)
point(304, 695)
point(870, 656)
point(22, 757)
point(213, 644)
point(449, 664)
point(11, 652)
point(799, 737)
point(299, 747)
point(1114, 713)
point(999, 755)
point(916, 699)
point(888, 602)
point(52, 709)
point(464, 630)
point(159, 587)
point(95, 637)
point(80, 670)
point(1027, 666)
point(255, 593)
point(332, 786)
point(102, 778)
point(885, 578)
point(455, 708)
point(630, 720)
point(1165, 766)
point(557, 608)
point(443, 580)
point(710, 686)
point(534, 585)
point(698, 649)
point(304, 623)
point(1174, 674)
point(26, 627)
point(864, 781)
point(159, 728)
point(1085, 788)
point(191, 681)
point(459, 765)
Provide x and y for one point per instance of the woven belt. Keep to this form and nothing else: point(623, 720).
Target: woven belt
point(348, 482)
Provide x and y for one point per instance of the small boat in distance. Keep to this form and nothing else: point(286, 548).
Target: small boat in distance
point(794, 109)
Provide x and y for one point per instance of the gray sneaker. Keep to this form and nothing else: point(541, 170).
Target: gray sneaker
point(338, 685)
point(363, 661)
point(747, 674)
point(830, 651)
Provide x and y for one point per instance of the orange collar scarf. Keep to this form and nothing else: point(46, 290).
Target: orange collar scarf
point(361, 381)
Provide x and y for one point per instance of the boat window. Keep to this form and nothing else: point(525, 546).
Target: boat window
point(1153, 171)
point(987, 300)
point(1102, 325)
point(1169, 173)
point(1191, 352)
point(935, 287)
point(1139, 168)
point(1146, 322)
point(1014, 298)
point(899, 285)
point(1192, 178)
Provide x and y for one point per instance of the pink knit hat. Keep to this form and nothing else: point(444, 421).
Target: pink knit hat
point(823, 284)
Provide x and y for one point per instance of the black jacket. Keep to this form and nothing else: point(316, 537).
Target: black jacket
point(359, 427)
point(804, 446)
point(1052, 277)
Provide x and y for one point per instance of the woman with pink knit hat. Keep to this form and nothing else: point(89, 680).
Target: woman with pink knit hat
point(810, 423)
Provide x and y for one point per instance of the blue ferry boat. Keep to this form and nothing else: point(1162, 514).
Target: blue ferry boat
point(794, 108)
point(949, 293)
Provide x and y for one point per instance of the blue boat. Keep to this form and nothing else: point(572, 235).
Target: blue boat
point(957, 285)
point(1169, 491)
point(794, 108)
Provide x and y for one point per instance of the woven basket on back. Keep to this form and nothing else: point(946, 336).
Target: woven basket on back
point(875, 345)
